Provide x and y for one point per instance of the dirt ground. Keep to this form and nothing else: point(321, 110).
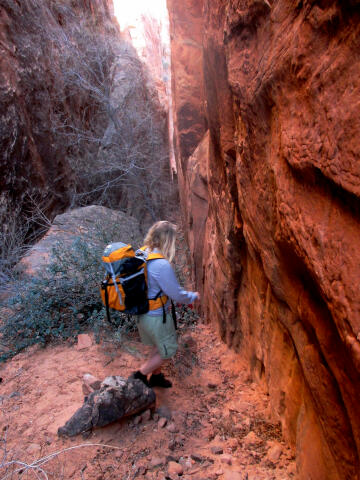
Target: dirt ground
point(213, 424)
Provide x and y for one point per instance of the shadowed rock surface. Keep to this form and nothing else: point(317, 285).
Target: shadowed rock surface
point(278, 188)
point(84, 222)
point(34, 155)
point(117, 398)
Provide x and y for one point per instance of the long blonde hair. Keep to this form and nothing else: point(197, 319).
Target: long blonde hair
point(162, 235)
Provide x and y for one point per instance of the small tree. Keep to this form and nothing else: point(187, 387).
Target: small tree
point(118, 148)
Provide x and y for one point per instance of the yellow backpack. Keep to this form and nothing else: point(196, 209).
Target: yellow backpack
point(125, 285)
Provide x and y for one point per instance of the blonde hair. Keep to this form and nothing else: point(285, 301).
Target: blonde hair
point(162, 236)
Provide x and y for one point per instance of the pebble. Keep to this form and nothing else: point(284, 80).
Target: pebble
point(146, 416)
point(291, 469)
point(142, 470)
point(83, 341)
point(226, 458)
point(212, 476)
point(155, 462)
point(233, 444)
point(137, 420)
point(172, 476)
point(274, 453)
point(251, 439)
point(216, 450)
point(172, 428)
point(172, 458)
point(172, 445)
point(175, 468)
point(162, 422)
point(247, 422)
point(186, 463)
point(92, 381)
point(197, 458)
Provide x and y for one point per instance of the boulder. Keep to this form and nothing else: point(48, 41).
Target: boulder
point(84, 222)
point(116, 398)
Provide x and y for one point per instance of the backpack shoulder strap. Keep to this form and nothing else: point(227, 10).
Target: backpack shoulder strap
point(152, 255)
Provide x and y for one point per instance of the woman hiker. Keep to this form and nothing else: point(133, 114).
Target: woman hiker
point(160, 243)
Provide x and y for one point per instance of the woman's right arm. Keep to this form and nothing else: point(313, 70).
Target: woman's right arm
point(170, 286)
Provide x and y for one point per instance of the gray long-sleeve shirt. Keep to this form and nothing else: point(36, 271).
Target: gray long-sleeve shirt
point(161, 276)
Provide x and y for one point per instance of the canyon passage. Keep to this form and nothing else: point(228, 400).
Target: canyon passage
point(265, 134)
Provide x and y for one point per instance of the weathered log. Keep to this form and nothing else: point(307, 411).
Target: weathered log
point(116, 398)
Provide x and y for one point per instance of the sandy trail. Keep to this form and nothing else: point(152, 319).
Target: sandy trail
point(213, 406)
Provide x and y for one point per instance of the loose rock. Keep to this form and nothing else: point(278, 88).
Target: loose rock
point(84, 341)
point(175, 468)
point(137, 420)
point(187, 463)
point(216, 450)
point(274, 453)
point(233, 444)
point(251, 439)
point(91, 382)
point(197, 458)
point(226, 458)
point(172, 428)
point(162, 422)
point(116, 399)
point(146, 416)
point(155, 462)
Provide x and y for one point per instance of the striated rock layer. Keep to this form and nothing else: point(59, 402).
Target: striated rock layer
point(277, 84)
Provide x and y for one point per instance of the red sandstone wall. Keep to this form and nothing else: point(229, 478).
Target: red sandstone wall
point(280, 213)
point(186, 23)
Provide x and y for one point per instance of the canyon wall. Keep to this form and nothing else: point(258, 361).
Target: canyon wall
point(266, 101)
point(35, 102)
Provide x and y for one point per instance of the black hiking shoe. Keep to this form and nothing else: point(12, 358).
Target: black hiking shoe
point(158, 380)
point(139, 376)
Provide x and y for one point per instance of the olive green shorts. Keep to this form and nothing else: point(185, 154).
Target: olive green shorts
point(153, 331)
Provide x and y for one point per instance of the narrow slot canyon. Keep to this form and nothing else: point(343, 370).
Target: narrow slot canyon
point(238, 121)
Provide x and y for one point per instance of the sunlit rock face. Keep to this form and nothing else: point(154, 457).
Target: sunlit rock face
point(33, 155)
point(280, 256)
point(186, 23)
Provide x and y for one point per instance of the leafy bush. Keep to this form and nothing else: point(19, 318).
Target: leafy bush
point(61, 303)
point(66, 301)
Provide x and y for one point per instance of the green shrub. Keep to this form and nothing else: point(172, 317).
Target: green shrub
point(65, 301)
